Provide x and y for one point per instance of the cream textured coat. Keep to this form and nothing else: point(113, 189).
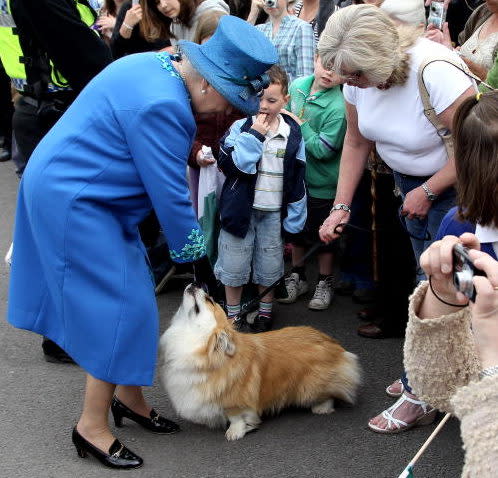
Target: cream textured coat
point(442, 365)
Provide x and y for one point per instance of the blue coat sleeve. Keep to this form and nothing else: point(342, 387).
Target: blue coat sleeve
point(297, 210)
point(159, 142)
point(240, 152)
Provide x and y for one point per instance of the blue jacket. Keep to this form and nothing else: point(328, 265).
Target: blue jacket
point(241, 150)
point(451, 225)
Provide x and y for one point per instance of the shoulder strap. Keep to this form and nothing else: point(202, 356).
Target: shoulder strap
point(429, 111)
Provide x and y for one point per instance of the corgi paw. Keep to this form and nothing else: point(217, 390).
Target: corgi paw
point(323, 408)
point(236, 431)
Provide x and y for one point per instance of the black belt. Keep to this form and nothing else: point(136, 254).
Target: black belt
point(30, 101)
point(66, 97)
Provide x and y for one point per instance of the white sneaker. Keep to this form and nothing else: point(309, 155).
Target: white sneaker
point(324, 293)
point(295, 287)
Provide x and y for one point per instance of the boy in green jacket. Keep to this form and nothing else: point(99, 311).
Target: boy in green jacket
point(317, 104)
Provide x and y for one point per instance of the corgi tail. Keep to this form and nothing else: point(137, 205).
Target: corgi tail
point(348, 378)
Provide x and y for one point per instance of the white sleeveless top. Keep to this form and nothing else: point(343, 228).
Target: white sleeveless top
point(480, 51)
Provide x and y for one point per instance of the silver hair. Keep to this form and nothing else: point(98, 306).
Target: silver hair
point(364, 38)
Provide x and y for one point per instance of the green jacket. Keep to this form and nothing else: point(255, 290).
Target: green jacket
point(492, 78)
point(323, 132)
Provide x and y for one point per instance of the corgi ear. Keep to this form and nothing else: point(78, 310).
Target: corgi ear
point(224, 342)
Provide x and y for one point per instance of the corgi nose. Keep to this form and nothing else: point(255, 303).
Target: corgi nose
point(191, 288)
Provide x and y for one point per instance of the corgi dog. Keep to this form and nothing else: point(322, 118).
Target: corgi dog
point(214, 374)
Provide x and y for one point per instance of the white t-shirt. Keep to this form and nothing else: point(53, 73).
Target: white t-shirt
point(406, 140)
point(270, 181)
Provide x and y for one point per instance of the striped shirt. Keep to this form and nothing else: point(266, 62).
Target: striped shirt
point(270, 181)
point(295, 43)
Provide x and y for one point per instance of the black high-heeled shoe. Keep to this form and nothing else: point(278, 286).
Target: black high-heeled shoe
point(156, 423)
point(118, 457)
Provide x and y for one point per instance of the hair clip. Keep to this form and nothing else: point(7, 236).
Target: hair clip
point(478, 96)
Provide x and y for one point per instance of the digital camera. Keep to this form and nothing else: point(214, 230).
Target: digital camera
point(270, 3)
point(464, 271)
point(437, 14)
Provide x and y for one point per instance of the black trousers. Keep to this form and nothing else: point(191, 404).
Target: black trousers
point(28, 131)
point(6, 106)
point(395, 262)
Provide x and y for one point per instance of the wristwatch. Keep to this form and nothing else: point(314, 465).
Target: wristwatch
point(428, 192)
point(340, 206)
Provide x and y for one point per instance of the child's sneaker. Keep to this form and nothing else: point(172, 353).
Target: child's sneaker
point(295, 287)
point(241, 325)
point(261, 324)
point(324, 293)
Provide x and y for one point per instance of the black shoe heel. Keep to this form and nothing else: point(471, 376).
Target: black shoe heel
point(81, 453)
point(156, 423)
point(118, 419)
point(118, 457)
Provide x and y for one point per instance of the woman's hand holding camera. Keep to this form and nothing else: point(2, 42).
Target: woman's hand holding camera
point(437, 262)
point(133, 15)
point(485, 309)
point(434, 34)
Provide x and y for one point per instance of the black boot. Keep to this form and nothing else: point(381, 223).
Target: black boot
point(53, 353)
point(5, 149)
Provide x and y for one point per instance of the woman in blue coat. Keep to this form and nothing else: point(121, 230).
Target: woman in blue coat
point(120, 150)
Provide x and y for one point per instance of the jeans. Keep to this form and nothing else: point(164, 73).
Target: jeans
point(417, 228)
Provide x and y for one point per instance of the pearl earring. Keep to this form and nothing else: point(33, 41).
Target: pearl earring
point(203, 91)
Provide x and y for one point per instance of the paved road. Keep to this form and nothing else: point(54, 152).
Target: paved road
point(40, 402)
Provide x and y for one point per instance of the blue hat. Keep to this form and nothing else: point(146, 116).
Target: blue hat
point(234, 61)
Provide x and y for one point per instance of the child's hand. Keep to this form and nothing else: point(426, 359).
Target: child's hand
point(261, 125)
point(202, 161)
point(298, 120)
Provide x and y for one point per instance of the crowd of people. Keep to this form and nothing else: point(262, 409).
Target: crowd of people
point(242, 135)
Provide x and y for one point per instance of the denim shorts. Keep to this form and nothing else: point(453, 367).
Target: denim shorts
point(261, 250)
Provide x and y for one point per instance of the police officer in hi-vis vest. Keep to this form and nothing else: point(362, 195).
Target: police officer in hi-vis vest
point(50, 52)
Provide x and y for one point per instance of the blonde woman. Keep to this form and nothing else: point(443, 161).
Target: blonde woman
point(379, 62)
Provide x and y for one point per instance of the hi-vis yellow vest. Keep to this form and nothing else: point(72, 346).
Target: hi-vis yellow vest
point(11, 52)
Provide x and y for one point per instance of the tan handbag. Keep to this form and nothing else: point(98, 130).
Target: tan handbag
point(429, 112)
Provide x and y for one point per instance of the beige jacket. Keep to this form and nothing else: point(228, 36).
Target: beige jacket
point(442, 366)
